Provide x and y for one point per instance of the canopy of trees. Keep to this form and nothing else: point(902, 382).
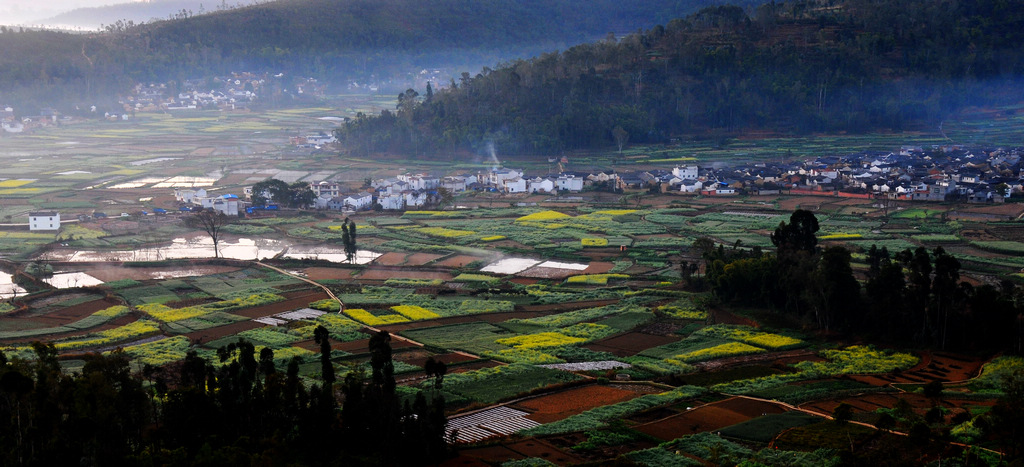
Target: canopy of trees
point(911, 296)
point(272, 190)
point(238, 411)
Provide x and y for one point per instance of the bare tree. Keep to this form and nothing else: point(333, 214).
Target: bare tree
point(212, 222)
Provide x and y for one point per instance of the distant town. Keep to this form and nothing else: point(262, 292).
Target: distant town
point(913, 173)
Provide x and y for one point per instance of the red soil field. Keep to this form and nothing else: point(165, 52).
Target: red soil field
point(560, 405)
point(534, 447)
point(385, 274)
point(726, 317)
point(212, 334)
point(625, 345)
point(64, 315)
point(419, 259)
point(391, 259)
point(709, 417)
point(494, 455)
point(320, 273)
point(872, 402)
point(523, 280)
point(598, 267)
point(296, 300)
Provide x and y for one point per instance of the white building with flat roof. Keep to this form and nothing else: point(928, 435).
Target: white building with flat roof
point(44, 220)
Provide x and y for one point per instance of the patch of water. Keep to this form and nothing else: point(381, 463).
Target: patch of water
point(8, 288)
point(510, 265)
point(558, 265)
point(179, 248)
point(67, 280)
point(334, 255)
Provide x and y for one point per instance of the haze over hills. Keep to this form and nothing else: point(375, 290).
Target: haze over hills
point(94, 18)
point(327, 39)
point(791, 68)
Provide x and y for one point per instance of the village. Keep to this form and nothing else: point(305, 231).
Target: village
point(913, 174)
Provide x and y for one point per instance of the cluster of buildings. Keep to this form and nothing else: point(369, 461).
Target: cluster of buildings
point(229, 92)
point(416, 190)
point(198, 198)
point(937, 174)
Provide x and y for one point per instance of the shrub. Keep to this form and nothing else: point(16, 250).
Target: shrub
point(327, 304)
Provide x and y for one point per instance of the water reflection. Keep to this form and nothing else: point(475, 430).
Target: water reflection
point(179, 248)
point(326, 253)
point(8, 288)
point(202, 247)
point(67, 280)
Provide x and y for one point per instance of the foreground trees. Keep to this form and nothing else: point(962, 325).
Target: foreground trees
point(912, 296)
point(241, 410)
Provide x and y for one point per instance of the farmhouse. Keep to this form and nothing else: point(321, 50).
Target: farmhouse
point(189, 196)
point(391, 201)
point(44, 220)
point(541, 185)
point(326, 189)
point(569, 182)
point(686, 172)
point(227, 204)
point(358, 201)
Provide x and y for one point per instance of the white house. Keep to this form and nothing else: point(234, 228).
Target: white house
point(189, 196)
point(569, 183)
point(227, 204)
point(326, 189)
point(44, 220)
point(391, 202)
point(358, 201)
point(498, 177)
point(455, 184)
point(321, 202)
point(415, 198)
point(686, 172)
point(320, 139)
point(336, 203)
point(541, 185)
point(515, 185)
point(691, 186)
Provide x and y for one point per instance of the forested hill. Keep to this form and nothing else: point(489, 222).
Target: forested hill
point(326, 39)
point(807, 66)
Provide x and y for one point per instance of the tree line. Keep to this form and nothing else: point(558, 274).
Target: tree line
point(912, 296)
point(795, 68)
point(240, 410)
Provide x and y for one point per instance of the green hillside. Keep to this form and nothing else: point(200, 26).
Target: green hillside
point(789, 68)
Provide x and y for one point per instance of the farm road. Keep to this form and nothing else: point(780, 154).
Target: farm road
point(335, 298)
